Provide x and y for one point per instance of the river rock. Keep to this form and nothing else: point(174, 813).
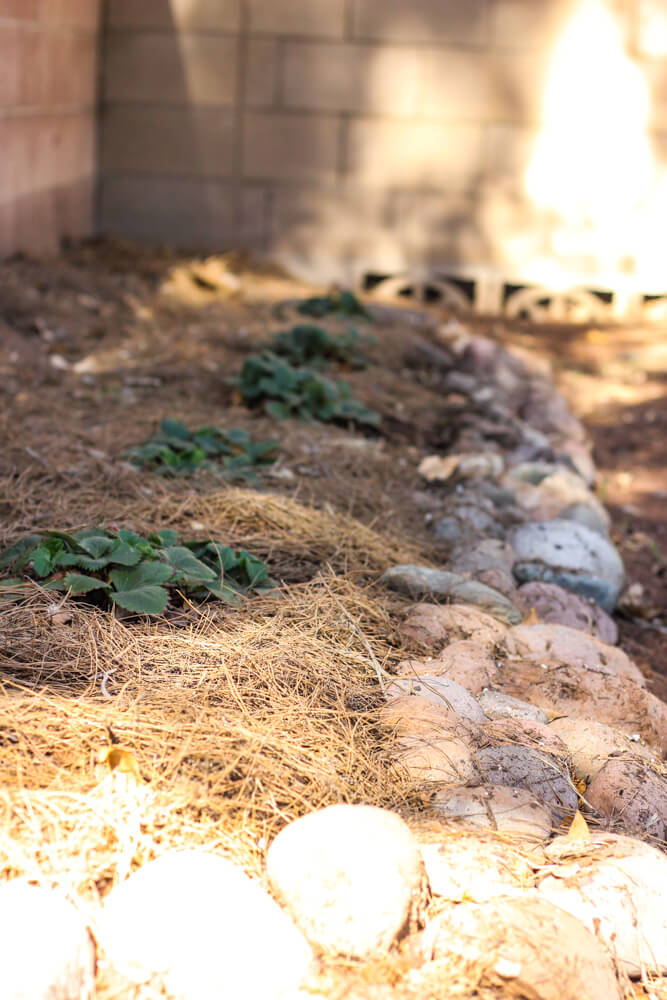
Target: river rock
point(408, 716)
point(465, 661)
point(560, 644)
point(588, 515)
point(526, 733)
point(570, 555)
point(422, 581)
point(513, 811)
point(582, 693)
point(489, 553)
point(433, 624)
point(616, 886)
point(500, 580)
point(578, 455)
point(540, 774)
point(349, 875)
point(439, 690)
point(497, 705)
point(440, 759)
point(561, 489)
point(475, 869)
point(548, 411)
point(557, 606)
point(199, 924)
point(628, 791)
point(47, 950)
point(590, 744)
point(523, 947)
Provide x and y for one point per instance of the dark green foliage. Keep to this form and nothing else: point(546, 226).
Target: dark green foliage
point(299, 392)
point(135, 572)
point(176, 451)
point(336, 304)
point(310, 344)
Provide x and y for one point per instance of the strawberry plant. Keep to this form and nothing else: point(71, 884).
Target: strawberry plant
point(310, 344)
point(176, 451)
point(137, 573)
point(342, 303)
point(287, 391)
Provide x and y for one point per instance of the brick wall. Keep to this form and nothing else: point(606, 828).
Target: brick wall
point(345, 135)
point(48, 59)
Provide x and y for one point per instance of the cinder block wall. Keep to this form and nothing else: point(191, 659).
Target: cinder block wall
point(346, 135)
point(48, 60)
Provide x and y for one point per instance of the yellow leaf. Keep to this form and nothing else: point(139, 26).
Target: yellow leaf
point(532, 618)
point(578, 828)
point(121, 760)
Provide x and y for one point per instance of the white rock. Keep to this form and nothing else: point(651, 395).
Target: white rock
point(617, 887)
point(474, 869)
point(197, 922)
point(439, 690)
point(496, 807)
point(497, 705)
point(526, 948)
point(46, 951)
point(349, 875)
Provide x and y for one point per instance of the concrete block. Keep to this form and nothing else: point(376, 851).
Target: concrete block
point(475, 86)
point(465, 23)
point(261, 72)
point(185, 69)
point(290, 147)
point(436, 229)
point(532, 26)
point(197, 141)
point(321, 18)
point(186, 212)
point(330, 76)
point(26, 10)
point(190, 15)
point(11, 52)
point(652, 28)
point(508, 153)
point(444, 156)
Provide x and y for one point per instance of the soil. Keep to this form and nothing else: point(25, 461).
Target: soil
point(99, 344)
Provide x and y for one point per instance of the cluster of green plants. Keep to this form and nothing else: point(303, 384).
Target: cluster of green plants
point(313, 345)
point(176, 451)
point(136, 573)
point(343, 303)
point(287, 391)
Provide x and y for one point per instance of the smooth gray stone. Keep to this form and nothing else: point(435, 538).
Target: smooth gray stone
point(422, 581)
point(584, 514)
point(489, 553)
point(467, 519)
point(571, 555)
point(520, 767)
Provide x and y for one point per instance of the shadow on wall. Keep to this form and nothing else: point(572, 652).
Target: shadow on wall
point(526, 151)
point(165, 138)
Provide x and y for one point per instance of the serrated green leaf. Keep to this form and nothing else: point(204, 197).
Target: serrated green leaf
point(277, 410)
point(175, 429)
point(146, 573)
point(79, 583)
point(124, 554)
point(97, 546)
point(147, 599)
point(224, 592)
point(81, 561)
point(43, 560)
point(193, 570)
point(20, 554)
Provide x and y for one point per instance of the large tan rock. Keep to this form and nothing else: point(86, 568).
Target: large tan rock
point(440, 759)
point(411, 715)
point(474, 868)
point(514, 811)
point(590, 744)
point(628, 791)
point(349, 876)
point(526, 733)
point(617, 887)
point(560, 644)
point(439, 690)
point(465, 661)
point(525, 947)
point(582, 693)
point(435, 624)
point(556, 606)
